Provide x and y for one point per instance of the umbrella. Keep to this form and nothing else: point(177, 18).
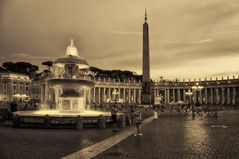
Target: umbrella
point(180, 102)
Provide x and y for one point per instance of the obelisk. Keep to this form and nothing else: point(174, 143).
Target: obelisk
point(146, 93)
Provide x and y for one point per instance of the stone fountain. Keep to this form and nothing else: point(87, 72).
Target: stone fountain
point(69, 96)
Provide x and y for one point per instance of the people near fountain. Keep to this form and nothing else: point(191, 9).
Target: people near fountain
point(114, 110)
point(25, 106)
point(131, 112)
point(13, 106)
point(155, 108)
point(137, 121)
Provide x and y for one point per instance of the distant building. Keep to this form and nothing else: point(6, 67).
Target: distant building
point(14, 85)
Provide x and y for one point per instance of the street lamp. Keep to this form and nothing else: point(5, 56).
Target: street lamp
point(115, 93)
point(189, 93)
point(158, 99)
point(197, 88)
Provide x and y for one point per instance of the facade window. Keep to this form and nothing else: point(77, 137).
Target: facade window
point(26, 88)
point(14, 87)
point(5, 87)
point(20, 88)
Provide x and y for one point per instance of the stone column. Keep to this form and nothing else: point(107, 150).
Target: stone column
point(195, 95)
point(211, 92)
point(134, 95)
point(139, 96)
point(124, 94)
point(233, 95)
point(89, 98)
point(184, 96)
point(228, 96)
point(103, 94)
point(168, 96)
point(206, 96)
point(200, 96)
point(129, 95)
point(109, 94)
point(223, 96)
point(179, 95)
point(99, 100)
point(155, 95)
point(94, 89)
point(46, 94)
point(217, 96)
point(119, 93)
point(174, 95)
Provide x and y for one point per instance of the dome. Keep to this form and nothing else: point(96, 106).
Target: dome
point(71, 50)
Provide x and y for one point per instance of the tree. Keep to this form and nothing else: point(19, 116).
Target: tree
point(49, 64)
point(21, 67)
point(9, 66)
point(119, 75)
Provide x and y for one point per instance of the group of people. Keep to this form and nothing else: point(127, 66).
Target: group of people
point(135, 115)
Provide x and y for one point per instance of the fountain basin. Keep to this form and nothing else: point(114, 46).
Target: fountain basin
point(57, 119)
point(70, 83)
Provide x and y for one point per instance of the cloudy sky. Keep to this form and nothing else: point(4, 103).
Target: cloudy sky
point(188, 38)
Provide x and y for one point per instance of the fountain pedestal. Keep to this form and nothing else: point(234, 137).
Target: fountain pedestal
point(72, 104)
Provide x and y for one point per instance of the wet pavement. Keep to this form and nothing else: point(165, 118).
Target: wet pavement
point(180, 137)
point(38, 143)
point(28, 143)
point(167, 137)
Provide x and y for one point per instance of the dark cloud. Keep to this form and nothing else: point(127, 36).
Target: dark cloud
point(108, 33)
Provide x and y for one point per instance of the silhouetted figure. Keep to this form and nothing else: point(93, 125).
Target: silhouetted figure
point(114, 111)
point(137, 122)
point(13, 107)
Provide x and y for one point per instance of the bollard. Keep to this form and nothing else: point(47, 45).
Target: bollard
point(155, 115)
point(159, 113)
point(47, 121)
point(101, 122)
point(16, 121)
point(79, 123)
point(121, 121)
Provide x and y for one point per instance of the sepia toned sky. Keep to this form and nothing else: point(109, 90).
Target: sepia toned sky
point(188, 38)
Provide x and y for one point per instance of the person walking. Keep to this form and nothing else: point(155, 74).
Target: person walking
point(155, 108)
point(137, 121)
point(131, 112)
point(114, 111)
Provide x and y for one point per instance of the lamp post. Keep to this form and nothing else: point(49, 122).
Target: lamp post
point(196, 89)
point(158, 99)
point(189, 93)
point(115, 93)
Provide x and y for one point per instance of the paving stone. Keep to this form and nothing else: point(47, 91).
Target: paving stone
point(180, 137)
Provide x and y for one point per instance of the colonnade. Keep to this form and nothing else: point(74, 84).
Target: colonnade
point(104, 94)
point(130, 92)
point(224, 95)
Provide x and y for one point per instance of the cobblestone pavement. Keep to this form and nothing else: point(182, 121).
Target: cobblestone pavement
point(180, 137)
point(29, 143)
point(46, 143)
